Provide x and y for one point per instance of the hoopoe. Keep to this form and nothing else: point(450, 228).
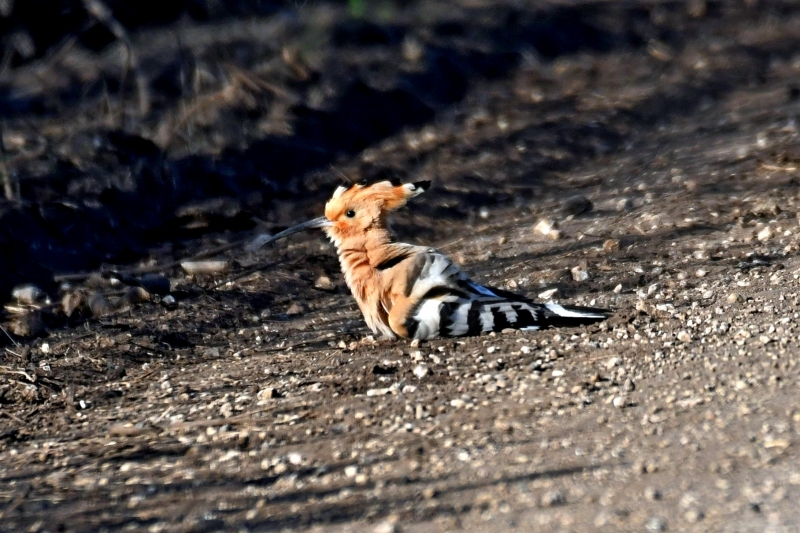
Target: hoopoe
point(412, 291)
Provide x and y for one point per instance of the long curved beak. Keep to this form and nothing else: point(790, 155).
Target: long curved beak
point(264, 238)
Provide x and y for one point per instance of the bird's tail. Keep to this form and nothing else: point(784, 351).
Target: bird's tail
point(530, 316)
point(557, 315)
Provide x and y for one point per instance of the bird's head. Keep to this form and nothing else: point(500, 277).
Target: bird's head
point(355, 209)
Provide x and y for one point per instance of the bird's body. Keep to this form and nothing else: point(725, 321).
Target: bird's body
point(412, 291)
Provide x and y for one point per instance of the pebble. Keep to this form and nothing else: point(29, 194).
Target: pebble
point(548, 228)
point(734, 298)
point(458, 403)
point(619, 402)
point(624, 205)
point(421, 371)
point(552, 498)
point(297, 308)
point(549, 294)
point(629, 386)
point(324, 283)
point(684, 336)
point(652, 494)
point(707, 295)
point(700, 273)
point(268, 393)
point(295, 458)
point(579, 274)
point(656, 524)
point(136, 295)
point(693, 515)
point(388, 526)
point(765, 234)
point(544, 226)
point(618, 289)
point(576, 205)
point(611, 245)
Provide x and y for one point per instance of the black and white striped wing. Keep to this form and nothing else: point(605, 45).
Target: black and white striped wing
point(452, 305)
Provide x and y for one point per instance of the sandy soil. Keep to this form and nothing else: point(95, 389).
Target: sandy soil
point(253, 399)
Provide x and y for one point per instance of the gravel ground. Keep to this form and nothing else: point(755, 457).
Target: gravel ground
point(659, 180)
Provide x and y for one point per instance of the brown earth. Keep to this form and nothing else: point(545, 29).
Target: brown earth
point(258, 402)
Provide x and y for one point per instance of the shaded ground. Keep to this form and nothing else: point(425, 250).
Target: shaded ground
point(261, 404)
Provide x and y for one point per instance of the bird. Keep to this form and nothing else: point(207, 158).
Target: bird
point(409, 291)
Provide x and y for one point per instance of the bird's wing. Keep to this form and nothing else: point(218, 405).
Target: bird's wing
point(443, 301)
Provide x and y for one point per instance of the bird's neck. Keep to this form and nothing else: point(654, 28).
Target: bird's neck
point(361, 256)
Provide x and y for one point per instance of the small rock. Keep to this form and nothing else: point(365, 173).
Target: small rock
point(545, 227)
point(629, 385)
point(297, 308)
point(656, 524)
point(351, 470)
point(652, 289)
point(624, 205)
point(421, 371)
point(694, 515)
point(619, 402)
point(388, 526)
point(611, 363)
point(652, 494)
point(611, 245)
point(27, 294)
point(136, 295)
point(765, 234)
point(324, 283)
point(169, 301)
point(618, 289)
point(734, 298)
point(553, 498)
point(707, 295)
point(554, 235)
point(458, 403)
point(576, 205)
point(701, 273)
point(549, 294)
point(684, 336)
point(268, 393)
point(579, 273)
point(295, 458)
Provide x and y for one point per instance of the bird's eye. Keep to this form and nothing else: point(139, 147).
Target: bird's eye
point(350, 213)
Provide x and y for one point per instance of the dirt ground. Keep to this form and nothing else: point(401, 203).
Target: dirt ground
point(254, 399)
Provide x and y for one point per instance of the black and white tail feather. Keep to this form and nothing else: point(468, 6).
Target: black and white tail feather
point(449, 304)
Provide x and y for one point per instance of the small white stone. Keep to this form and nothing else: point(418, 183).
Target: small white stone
point(295, 458)
point(548, 294)
point(421, 371)
point(765, 234)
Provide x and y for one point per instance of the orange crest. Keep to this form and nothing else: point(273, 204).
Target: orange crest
point(358, 207)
